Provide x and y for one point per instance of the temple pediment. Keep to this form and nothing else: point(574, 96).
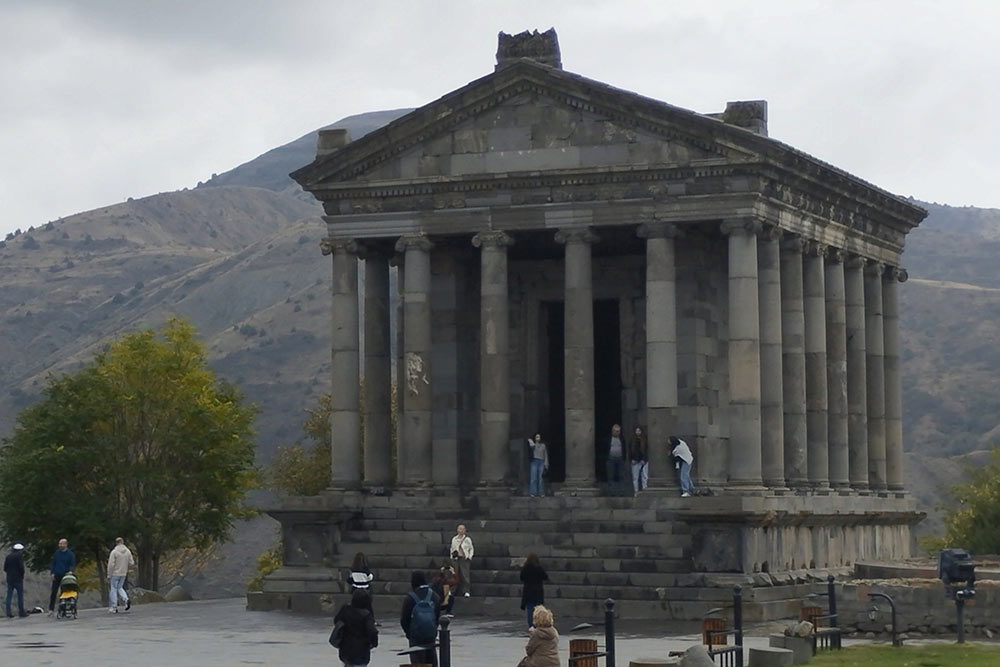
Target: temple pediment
point(530, 118)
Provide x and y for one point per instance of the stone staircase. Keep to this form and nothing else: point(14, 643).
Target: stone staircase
point(633, 550)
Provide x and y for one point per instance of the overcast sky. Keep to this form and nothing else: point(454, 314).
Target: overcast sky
point(101, 100)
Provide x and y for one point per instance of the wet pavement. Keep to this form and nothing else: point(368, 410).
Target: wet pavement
point(222, 633)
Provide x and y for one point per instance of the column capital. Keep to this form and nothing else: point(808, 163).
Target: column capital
point(897, 273)
point(771, 232)
point(741, 226)
point(817, 249)
point(855, 261)
point(331, 244)
point(416, 241)
point(658, 230)
point(836, 255)
point(873, 268)
point(794, 243)
point(576, 235)
point(492, 239)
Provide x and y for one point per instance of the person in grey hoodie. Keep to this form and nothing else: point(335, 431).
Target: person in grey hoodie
point(119, 561)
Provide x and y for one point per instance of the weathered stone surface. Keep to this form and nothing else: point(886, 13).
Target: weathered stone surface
point(177, 594)
point(800, 629)
point(696, 656)
point(143, 596)
point(771, 657)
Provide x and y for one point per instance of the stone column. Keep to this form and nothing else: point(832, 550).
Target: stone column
point(857, 394)
point(814, 297)
point(744, 354)
point(377, 369)
point(893, 388)
point(494, 365)
point(345, 408)
point(793, 356)
point(417, 394)
point(400, 378)
point(579, 358)
point(772, 429)
point(875, 373)
point(836, 370)
point(661, 348)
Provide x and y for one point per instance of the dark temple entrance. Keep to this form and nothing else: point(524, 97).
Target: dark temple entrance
point(607, 383)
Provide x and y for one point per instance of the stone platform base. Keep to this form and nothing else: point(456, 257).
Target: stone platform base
point(657, 556)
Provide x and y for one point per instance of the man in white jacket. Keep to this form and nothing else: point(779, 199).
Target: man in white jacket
point(119, 562)
point(461, 553)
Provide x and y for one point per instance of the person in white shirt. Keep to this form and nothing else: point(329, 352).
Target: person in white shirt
point(461, 552)
point(685, 458)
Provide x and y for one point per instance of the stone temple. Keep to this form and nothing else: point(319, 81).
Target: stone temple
point(568, 255)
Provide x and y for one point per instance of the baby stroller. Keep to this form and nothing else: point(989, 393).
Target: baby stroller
point(69, 591)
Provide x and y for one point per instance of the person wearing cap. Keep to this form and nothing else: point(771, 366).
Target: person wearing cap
point(13, 565)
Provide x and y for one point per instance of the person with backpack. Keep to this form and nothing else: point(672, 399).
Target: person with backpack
point(358, 635)
point(419, 619)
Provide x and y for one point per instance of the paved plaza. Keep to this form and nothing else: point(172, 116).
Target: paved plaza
point(222, 632)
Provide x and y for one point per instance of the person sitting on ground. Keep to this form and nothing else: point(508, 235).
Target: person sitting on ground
point(542, 649)
point(360, 635)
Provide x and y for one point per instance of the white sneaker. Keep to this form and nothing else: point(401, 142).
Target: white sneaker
point(685, 495)
point(467, 594)
point(113, 611)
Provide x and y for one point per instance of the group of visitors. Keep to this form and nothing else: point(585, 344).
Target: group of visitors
point(617, 451)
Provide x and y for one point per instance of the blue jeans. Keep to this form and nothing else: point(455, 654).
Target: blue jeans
point(686, 485)
point(616, 475)
point(529, 612)
point(116, 591)
point(537, 486)
point(19, 587)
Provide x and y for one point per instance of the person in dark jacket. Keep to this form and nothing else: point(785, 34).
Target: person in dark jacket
point(360, 634)
point(63, 561)
point(418, 584)
point(533, 576)
point(13, 566)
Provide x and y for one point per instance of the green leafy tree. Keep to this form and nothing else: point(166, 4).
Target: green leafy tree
point(304, 469)
point(972, 512)
point(143, 442)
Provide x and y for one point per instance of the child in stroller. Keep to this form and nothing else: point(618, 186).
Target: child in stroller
point(69, 591)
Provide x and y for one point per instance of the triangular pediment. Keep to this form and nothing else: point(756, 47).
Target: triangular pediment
point(530, 118)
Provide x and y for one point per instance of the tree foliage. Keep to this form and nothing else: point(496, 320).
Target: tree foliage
point(304, 469)
point(143, 443)
point(972, 513)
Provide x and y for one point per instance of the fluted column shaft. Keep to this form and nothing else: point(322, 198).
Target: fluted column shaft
point(661, 347)
point(814, 292)
point(578, 345)
point(875, 372)
point(417, 392)
point(744, 355)
point(345, 408)
point(893, 380)
point(494, 362)
point(793, 362)
point(377, 370)
point(772, 435)
point(857, 394)
point(836, 370)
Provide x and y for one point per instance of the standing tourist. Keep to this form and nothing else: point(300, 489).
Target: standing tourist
point(419, 619)
point(359, 633)
point(639, 460)
point(533, 578)
point(63, 561)
point(13, 566)
point(119, 561)
point(682, 454)
point(461, 552)
point(539, 464)
point(542, 649)
point(616, 461)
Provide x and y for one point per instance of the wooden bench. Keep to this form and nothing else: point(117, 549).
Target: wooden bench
point(715, 634)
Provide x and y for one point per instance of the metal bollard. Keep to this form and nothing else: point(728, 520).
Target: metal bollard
point(444, 655)
point(738, 623)
point(609, 632)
